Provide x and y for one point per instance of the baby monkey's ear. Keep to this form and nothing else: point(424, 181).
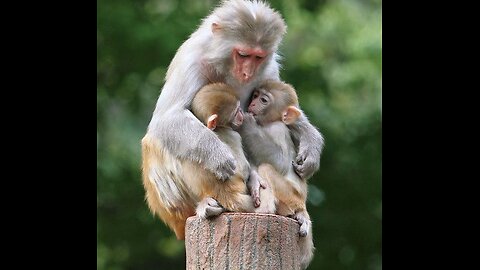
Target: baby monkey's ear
point(290, 115)
point(212, 121)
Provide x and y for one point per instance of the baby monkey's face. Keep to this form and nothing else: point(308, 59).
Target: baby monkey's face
point(261, 101)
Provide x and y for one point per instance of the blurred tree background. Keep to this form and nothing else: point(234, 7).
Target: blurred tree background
point(332, 55)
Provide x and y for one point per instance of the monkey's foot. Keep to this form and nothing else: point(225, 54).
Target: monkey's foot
point(255, 194)
point(254, 184)
point(266, 208)
point(268, 205)
point(209, 207)
point(305, 224)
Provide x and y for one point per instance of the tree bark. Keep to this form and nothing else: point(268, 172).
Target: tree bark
point(242, 241)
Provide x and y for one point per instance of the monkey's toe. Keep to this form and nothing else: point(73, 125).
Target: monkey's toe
point(304, 225)
point(209, 207)
point(303, 231)
point(212, 211)
point(256, 202)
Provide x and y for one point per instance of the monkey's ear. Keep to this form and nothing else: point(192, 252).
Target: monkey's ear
point(290, 115)
point(215, 27)
point(212, 121)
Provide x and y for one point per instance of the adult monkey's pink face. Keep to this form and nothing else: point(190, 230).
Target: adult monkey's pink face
point(246, 61)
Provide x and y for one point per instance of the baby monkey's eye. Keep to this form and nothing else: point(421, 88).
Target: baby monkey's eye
point(263, 100)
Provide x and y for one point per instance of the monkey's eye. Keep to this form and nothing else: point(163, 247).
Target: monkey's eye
point(242, 54)
point(263, 100)
point(258, 57)
point(255, 95)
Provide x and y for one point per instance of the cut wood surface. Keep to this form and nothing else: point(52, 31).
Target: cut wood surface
point(242, 241)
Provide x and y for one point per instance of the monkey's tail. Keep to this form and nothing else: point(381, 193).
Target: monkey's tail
point(307, 249)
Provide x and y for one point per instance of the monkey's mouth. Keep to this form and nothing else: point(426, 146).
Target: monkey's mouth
point(252, 113)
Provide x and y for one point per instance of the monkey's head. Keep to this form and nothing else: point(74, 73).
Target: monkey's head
point(217, 104)
point(246, 35)
point(274, 101)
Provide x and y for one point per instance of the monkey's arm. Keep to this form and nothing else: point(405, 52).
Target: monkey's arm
point(249, 127)
point(185, 137)
point(310, 144)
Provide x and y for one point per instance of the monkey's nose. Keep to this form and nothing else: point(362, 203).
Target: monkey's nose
point(247, 73)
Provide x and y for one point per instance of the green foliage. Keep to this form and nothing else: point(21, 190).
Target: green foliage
point(332, 55)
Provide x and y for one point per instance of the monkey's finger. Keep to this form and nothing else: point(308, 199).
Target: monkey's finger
point(230, 166)
point(213, 208)
point(209, 207)
point(303, 230)
point(304, 224)
point(255, 191)
point(256, 202)
point(300, 158)
point(212, 211)
point(298, 169)
point(226, 170)
point(222, 176)
point(248, 117)
point(214, 203)
point(310, 166)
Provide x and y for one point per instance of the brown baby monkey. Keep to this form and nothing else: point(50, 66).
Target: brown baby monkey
point(268, 144)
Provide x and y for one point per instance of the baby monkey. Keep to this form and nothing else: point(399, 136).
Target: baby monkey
point(218, 107)
point(268, 144)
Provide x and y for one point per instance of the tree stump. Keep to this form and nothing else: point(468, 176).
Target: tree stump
point(242, 241)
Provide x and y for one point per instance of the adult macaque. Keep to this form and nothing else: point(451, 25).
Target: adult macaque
point(267, 141)
point(236, 44)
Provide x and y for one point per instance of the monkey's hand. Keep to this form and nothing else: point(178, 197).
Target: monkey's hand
point(310, 145)
point(254, 184)
point(222, 163)
point(248, 121)
point(306, 163)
